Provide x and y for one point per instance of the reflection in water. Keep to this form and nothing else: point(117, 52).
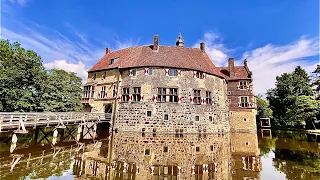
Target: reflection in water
point(160, 156)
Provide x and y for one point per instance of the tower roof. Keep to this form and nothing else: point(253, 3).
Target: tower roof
point(180, 41)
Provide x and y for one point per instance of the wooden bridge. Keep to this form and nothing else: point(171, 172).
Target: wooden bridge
point(18, 122)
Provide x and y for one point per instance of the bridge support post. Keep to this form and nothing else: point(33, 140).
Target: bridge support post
point(14, 141)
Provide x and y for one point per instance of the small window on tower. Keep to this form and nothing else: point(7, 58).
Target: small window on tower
point(166, 117)
point(149, 113)
point(197, 118)
point(210, 118)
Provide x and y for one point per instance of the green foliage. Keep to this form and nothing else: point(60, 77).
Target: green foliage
point(62, 92)
point(263, 108)
point(316, 82)
point(26, 86)
point(304, 111)
point(282, 98)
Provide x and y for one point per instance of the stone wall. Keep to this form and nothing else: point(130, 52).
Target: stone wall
point(244, 120)
point(132, 116)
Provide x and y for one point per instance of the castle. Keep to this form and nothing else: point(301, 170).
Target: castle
point(171, 89)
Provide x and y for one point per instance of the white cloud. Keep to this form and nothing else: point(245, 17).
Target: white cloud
point(78, 68)
point(21, 2)
point(270, 61)
point(215, 50)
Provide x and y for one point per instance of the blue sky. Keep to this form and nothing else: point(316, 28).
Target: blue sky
point(274, 35)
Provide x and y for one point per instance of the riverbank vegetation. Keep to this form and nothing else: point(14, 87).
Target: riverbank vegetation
point(26, 86)
point(293, 102)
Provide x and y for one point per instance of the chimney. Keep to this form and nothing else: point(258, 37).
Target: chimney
point(231, 66)
point(245, 63)
point(155, 43)
point(107, 50)
point(202, 46)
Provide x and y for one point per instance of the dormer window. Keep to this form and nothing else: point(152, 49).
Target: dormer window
point(111, 61)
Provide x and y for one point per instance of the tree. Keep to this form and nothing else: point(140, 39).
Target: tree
point(316, 82)
point(26, 86)
point(288, 87)
point(62, 92)
point(304, 111)
point(20, 78)
point(263, 108)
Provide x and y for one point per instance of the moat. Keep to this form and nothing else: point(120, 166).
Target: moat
point(263, 155)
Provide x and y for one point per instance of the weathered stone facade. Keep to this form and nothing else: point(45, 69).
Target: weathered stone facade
point(129, 83)
point(132, 116)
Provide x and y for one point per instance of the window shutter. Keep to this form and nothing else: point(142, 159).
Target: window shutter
point(194, 74)
point(146, 71)
point(204, 75)
point(248, 86)
point(119, 98)
point(155, 98)
point(205, 168)
point(215, 167)
point(204, 101)
point(191, 99)
point(179, 99)
point(138, 170)
point(105, 95)
point(131, 73)
point(98, 95)
point(166, 71)
point(179, 73)
point(130, 97)
point(141, 97)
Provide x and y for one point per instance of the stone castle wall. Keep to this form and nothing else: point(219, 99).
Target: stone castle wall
point(132, 116)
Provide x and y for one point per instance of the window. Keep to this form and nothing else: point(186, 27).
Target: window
point(104, 75)
point(199, 75)
point(211, 147)
point(133, 72)
point(197, 118)
point(103, 93)
point(94, 76)
point(125, 94)
point(244, 119)
point(111, 61)
point(166, 117)
point(162, 94)
point(114, 91)
point(92, 91)
point(147, 152)
point(243, 84)
point(197, 97)
point(229, 92)
point(173, 72)
point(150, 71)
point(208, 97)
point(136, 94)
point(173, 95)
point(86, 91)
point(149, 113)
point(165, 149)
point(197, 149)
point(244, 101)
point(210, 118)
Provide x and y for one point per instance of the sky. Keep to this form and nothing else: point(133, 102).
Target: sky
point(274, 36)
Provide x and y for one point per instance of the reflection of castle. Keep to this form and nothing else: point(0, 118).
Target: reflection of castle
point(160, 156)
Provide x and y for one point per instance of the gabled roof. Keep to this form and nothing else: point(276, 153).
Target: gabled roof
point(166, 56)
point(240, 72)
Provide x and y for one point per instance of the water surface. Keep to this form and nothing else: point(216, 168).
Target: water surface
point(265, 155)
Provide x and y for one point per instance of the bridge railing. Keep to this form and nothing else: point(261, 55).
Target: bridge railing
point(13, 120)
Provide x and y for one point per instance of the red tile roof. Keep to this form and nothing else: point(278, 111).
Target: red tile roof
point(166, 56)
point(240, 72)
